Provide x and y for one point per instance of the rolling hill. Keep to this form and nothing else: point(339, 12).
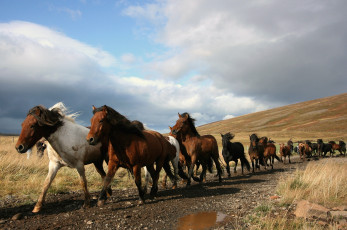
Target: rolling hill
point(320, 118)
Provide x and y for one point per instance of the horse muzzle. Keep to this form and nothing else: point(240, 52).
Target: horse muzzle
point(21, 148)
point(92, 141)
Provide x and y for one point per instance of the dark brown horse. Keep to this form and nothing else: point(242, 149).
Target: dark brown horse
point(269, 152)
point(202, 149)
point(130, 148)
point(285, 150)
point(256, 152)
point(233, 151)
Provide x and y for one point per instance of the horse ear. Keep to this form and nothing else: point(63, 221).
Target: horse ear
point(104, 109)
point(221, 135)
point(179, 115)
point(93, 107)
point(170, 127)
point(37, 112)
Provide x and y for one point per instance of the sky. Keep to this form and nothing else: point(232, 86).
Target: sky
point(151, 60)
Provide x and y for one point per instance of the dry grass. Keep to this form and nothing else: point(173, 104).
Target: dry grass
point(23, 178)
point(323, 182)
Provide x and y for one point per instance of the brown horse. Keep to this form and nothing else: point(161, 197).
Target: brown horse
point(201, 149)
point(304, 149)
point(338, 147)
point(285, 150)
point(269, 152)
point(130, 148)
point(256, 152)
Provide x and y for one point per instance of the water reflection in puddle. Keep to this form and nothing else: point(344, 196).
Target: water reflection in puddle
point(201, 220)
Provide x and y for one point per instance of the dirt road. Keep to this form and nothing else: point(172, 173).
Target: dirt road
point(227, 204)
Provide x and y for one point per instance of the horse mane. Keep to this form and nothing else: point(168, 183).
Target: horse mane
point(47, 117)
point(191, 122)
point(119, 122)
point(62, 109)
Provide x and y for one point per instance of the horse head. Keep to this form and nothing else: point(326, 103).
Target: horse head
point(254, 141)
point(40, 122)
point(184, 124)
point(99, 125)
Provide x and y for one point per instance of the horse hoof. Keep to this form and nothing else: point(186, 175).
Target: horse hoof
point(36, 209)
point(174, 187)
point(141, 202)
point(101, 203)
point(109, 192)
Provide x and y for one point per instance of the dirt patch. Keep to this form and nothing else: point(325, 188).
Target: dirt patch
point(235, 197)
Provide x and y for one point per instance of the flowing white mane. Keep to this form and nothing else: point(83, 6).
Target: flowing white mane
point(63, 111)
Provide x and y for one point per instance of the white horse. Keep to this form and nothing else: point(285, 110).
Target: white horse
point(174, 163)
point(67, 146)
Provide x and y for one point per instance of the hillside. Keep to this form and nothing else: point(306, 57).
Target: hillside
point(320, 118)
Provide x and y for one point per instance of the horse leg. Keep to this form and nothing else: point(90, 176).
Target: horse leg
point(191, 169)
point(219, 169)
point(163, 184)
point(174, 163)
point(147, 179)
point(137, 175)
point(228, 168)
point(203, 173)
point(167, 169)
point(100, 170)
point(52, 172)
point(112, 169)
point(83, 181)
point(272, 161)
point(236, 165)
point(252, 160)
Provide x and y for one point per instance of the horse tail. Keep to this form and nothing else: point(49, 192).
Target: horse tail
point(244, 161)
point(278, 158)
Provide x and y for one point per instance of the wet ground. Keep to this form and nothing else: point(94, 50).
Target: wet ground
point(211, 205)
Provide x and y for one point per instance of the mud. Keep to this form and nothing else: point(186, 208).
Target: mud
point(233, 199)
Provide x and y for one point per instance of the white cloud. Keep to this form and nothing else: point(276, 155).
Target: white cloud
point(253, 48)
point(229, 116)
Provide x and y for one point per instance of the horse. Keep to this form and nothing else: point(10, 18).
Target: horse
point(256, 152)
point(285, 150)
point(233, 151)
point(323, 148)
point(269, 152)
point(290, 144)
point(67, 145)
point(343, 147)
point(338, 147)
point(130, 148)
point(302, 149)
point(199, 148)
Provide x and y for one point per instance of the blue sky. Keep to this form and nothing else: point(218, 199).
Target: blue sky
point(150, 60)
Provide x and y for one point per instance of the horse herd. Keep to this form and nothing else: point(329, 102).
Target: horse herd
point(123, 143)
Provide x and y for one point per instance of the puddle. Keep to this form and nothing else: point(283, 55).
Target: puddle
point(200, 220)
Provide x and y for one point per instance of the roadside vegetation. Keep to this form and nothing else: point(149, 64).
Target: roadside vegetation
point(322, 182)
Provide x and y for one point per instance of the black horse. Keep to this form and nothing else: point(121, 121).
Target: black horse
point(324, 148)
point(233, 151)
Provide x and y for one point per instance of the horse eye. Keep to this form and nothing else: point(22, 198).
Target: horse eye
point(102, 120)
point(32, 126)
